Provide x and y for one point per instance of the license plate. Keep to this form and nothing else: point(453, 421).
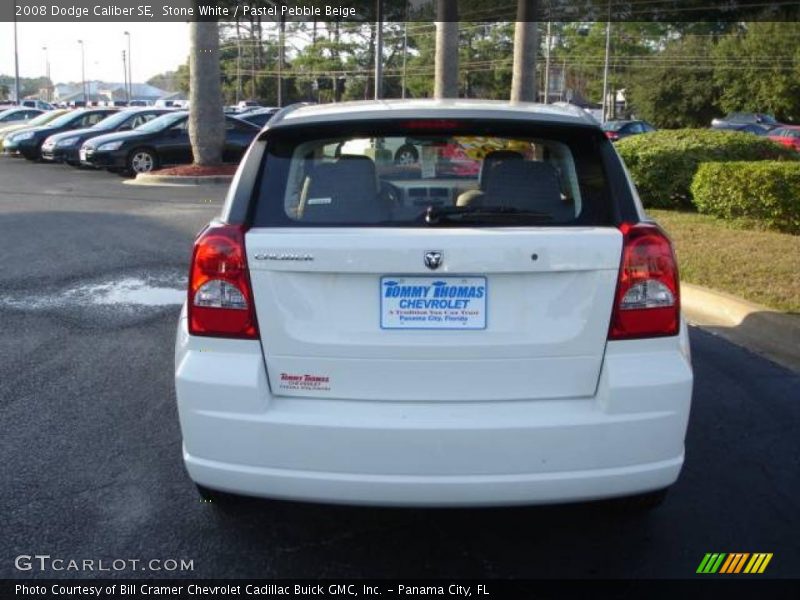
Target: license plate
point(433, 302)
point(82, 154)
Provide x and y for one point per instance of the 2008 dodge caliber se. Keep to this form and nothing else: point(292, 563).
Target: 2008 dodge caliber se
point(497, 323)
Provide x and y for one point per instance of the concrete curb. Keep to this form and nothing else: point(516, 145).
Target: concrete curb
point(758, 328)
point(149, 179)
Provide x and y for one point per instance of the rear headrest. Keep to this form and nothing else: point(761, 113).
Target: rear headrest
point(528, 185)
point(345, 190)
point(490, 162)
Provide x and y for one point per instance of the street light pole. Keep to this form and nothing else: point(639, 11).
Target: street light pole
point(47, 73)
point(125, 78)
point(83, 73)
point(16, 56)
point(130, 70)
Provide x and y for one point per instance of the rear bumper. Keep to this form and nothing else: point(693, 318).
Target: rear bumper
point(626, 439)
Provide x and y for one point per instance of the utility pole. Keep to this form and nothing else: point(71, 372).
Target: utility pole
point(379, 51)
point(605, 67)
point(547, 66)
point(281, 44)
point(238, 63)
point(83, 73)
point(130, 69)
point(16, 57)
point(405, 54)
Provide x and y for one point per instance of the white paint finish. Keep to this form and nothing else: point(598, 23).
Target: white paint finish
point(546, 319)
point(626, 438)
point(528, 112)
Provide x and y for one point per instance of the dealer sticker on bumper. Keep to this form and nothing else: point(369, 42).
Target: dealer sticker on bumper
point(433, 302)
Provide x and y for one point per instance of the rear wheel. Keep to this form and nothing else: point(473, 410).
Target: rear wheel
point(220, 500)
point(142, 160)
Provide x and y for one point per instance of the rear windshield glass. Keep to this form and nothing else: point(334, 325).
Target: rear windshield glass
point(424, 174)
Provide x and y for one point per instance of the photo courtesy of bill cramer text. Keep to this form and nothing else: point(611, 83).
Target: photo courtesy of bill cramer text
point(248, 590)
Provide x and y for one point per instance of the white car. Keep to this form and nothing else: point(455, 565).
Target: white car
point(366, 333)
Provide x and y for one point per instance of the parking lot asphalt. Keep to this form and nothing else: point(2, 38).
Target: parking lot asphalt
point(91, 454)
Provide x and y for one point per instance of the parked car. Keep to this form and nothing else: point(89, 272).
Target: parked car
point(28, 142)
point(161, 142)
point(738, 120)
point(247, 105)
point(617, 130)
point(42, 119)
point(746, 128)
point(789, 136)
point(14, 115)
point(259, 116)
point(65, 147)
point(355, 332)
point(35, 103)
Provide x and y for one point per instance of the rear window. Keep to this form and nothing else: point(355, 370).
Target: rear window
point(427, 173)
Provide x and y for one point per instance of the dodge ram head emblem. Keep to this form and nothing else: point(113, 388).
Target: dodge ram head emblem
point(433, 258)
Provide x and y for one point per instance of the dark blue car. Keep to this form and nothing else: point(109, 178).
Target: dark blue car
point(162, 142)
point(65, 147)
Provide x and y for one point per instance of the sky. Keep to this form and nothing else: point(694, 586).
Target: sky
point(156, 47)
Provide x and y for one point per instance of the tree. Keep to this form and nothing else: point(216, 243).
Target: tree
point(759, 70)
point(446, 64)
point(677, 89)
point(526, 43)
point(206, 119)
point(172, 81)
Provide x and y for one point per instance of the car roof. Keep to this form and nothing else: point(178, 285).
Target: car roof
point(261, 111)
point(437, 109)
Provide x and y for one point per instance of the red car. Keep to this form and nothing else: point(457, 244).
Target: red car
point(787, 135)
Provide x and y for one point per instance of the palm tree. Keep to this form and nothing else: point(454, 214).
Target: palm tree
point(206, 119)
point(446, 64)
point(526, 43)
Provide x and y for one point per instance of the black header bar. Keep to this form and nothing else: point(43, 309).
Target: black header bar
point(397, 10)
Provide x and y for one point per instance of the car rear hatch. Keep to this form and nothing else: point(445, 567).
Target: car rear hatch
point(397, 308)
point(532, 328)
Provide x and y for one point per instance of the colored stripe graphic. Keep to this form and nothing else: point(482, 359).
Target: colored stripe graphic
point(733, 563)
point(758, 563)
point(711, 562)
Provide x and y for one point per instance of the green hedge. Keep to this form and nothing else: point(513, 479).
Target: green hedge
point(664, 162)
point(765, 191)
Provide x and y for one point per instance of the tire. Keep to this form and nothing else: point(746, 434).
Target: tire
point(141, 160)
point(207, 495)
point(406, 155)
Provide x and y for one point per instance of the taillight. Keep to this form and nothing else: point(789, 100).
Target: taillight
point(647, 303)
point(220, 297)
point(612, 135)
